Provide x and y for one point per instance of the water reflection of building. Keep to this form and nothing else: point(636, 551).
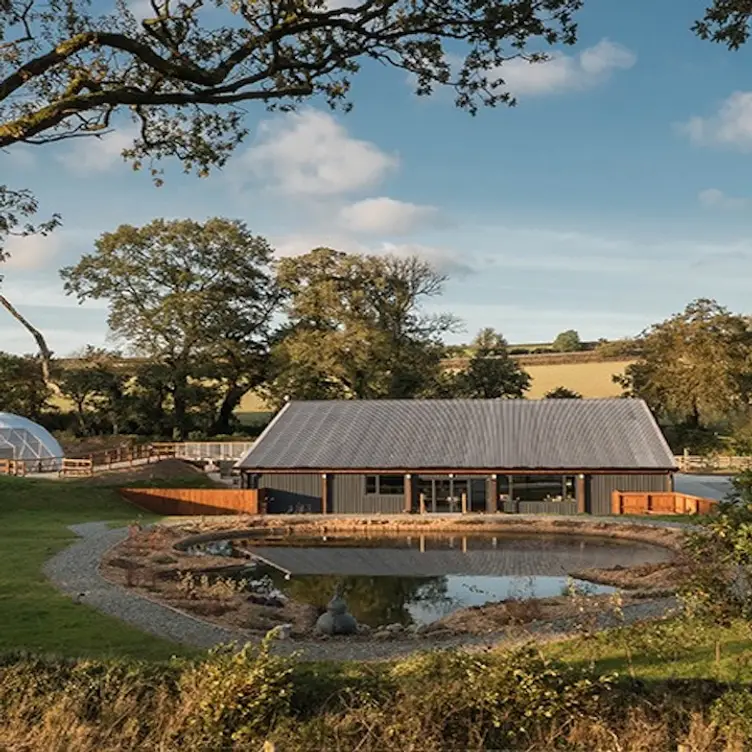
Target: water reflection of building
point(451, 456)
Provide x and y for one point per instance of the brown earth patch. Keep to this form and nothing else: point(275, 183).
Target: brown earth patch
point(163, 470)
point(147, 563)
point(155, 563)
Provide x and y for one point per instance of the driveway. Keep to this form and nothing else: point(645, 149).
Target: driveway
point(706, 486)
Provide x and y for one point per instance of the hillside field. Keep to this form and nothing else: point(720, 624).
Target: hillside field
point(591, 380)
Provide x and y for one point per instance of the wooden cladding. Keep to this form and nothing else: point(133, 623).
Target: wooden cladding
point(196, 501)
point(632, 502)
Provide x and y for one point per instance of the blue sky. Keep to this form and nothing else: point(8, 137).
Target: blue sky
point(615, 192)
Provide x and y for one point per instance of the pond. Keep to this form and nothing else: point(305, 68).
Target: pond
point(420, 579)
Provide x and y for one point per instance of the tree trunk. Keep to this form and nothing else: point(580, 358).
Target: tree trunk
point(222, 424)
point(44, 351)
point(180, 406)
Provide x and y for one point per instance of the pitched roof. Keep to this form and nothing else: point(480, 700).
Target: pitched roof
point(618, 434)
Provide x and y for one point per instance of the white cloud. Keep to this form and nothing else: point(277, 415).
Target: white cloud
point(566, 72)
point(310, 153)
point(713, 198)
point(32, 252)
point(97, 154)
point(731, 126)
point(443, 259)
point(386, 216)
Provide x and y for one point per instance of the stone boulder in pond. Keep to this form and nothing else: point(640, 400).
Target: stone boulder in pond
point(336, 620)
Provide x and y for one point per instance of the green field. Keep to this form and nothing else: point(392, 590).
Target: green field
point(34, 519)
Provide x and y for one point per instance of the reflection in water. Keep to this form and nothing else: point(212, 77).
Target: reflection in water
point(419, 579)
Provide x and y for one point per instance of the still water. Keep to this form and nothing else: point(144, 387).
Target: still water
point(419, 579)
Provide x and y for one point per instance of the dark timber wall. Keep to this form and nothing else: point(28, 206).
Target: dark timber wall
point(294, 493)
point(348, 496)
point(600, 488)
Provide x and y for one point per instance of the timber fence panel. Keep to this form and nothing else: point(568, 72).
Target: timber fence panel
point(196, 501)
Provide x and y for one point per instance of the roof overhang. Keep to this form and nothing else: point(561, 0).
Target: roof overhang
point(460, 471)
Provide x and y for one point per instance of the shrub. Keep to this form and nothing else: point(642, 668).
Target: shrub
point(238, 695)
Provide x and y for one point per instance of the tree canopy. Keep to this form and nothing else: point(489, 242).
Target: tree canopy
point(356, 327)
point(562, 392)
point(187, 295)
point(568, 341)
point(695, 367)
point(491, 372)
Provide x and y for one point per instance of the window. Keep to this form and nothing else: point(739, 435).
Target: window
point(392, 484)
point(388, 485)
point(543, 487)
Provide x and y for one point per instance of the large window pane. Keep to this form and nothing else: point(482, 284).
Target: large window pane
point(392, 484)
point(537, 487)
point(371, 484)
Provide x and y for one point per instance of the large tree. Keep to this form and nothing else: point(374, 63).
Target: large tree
point(356, 327)
point(695, 368)
point(186, 294)
point(491, 372)
point(24, 390)
point(185, 73)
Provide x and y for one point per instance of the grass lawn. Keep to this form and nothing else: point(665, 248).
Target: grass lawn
point(34, 515)
point(674, 649)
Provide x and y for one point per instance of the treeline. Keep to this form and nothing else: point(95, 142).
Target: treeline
point(213, 315)
point(695, 372)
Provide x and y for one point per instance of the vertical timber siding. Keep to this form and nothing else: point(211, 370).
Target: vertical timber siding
point(286, 493)
point(601, 487)
point(349, 497)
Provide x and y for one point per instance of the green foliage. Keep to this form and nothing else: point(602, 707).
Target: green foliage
point(241, 695)
point(356, 328)
point(725, 22)
point(719, 588)
point(561, 392)
point(195, 298)
point(23, 390)
point(97, 390)
point(18, 206)
point(491, 372)
point(695, 368)
point(568, 341)
point(732, 712)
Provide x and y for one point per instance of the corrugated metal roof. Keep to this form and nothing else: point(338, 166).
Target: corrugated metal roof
point(462, 434)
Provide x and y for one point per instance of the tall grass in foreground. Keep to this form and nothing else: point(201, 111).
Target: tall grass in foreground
point(517, 700)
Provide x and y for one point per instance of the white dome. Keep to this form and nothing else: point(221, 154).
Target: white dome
point(22, 439)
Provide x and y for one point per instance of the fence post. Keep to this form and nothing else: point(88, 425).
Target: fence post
point(616, 502)
point(422, 503)
point(464, 502)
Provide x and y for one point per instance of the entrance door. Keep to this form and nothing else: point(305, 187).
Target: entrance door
point(443, 501)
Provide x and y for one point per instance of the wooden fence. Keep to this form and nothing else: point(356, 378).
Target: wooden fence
point(12, 467)
point(721, 464)
point(203, 451)
point(196, 501)
point(632, 502)
point(76, 468)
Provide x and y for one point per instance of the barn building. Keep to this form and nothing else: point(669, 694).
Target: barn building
point(440, 456)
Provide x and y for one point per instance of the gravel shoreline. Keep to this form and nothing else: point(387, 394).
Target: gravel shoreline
point(75, 571)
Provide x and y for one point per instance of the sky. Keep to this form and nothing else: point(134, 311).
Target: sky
point(617, 190)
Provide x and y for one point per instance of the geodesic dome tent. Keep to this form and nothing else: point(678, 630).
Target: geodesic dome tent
point(22, 439)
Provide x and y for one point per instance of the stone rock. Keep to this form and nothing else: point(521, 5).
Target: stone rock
point(382, 634)
point(336, 620)
point(423, 629)
point(363, 629)
point(283, 631)
point(394, 628)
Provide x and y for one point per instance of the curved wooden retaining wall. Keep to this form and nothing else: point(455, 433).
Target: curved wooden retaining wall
point(196, 501)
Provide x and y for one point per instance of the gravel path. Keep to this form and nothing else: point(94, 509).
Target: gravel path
point(75, 571)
